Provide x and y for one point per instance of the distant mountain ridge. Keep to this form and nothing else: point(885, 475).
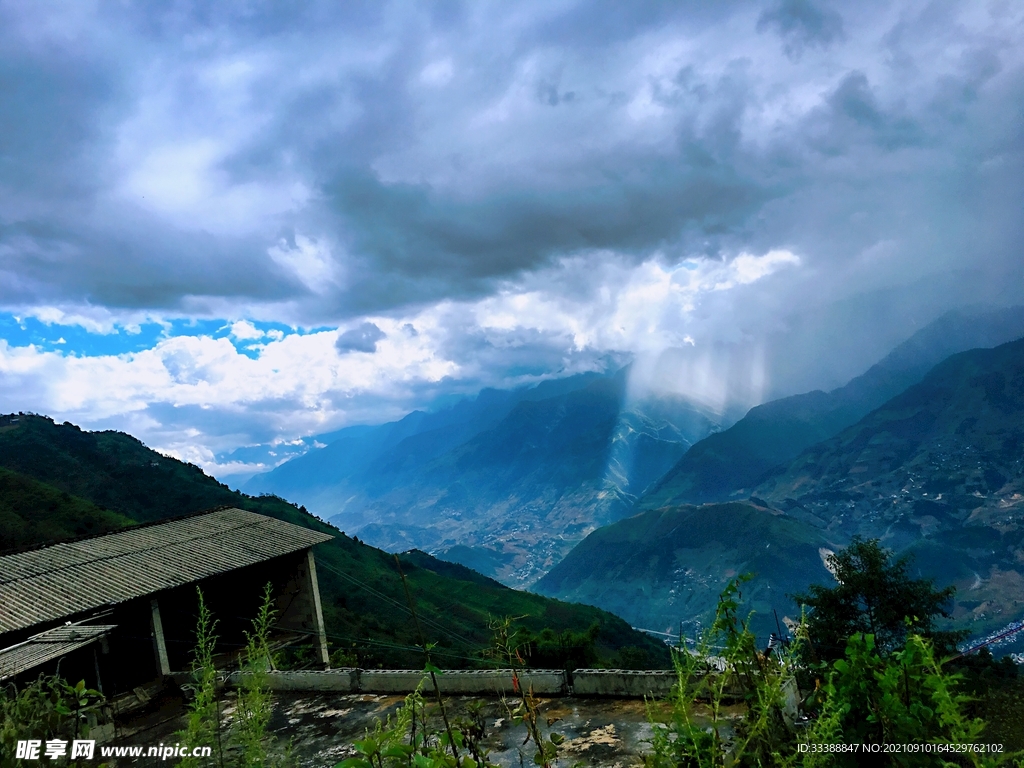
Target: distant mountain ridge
point(952, 444)
point(409, 442)
point(730, 463)
point(936, 472)
point(506, 483)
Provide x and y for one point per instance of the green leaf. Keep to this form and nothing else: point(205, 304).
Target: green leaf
point(354, 762)
point(431, 668)
point(367, 746)
point(556, 738)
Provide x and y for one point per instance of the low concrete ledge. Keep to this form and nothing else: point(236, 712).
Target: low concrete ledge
point(620, 683)
point(334, 680)
point(625, 683)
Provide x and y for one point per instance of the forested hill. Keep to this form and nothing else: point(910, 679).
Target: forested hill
point(60, 482)
point(666, 566)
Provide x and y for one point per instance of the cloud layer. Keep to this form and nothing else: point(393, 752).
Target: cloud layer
point(378, 204)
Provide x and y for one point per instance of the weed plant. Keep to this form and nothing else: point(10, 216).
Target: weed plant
point(48, 708)
point(736, 706)
point(203, 724)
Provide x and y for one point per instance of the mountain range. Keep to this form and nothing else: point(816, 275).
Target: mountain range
point(730, 464)
point(643, 507)
point(506, 483)
point(936, 472)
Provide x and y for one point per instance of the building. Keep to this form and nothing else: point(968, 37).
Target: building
point(119, 610)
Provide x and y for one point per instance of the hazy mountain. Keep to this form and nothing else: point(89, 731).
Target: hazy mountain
point(361, 452)
point(729, 464)
point(937, 471)
point(56, 480)
point(953, 445)
point(506, 483)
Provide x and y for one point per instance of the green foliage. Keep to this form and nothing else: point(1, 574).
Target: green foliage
point(32, 512)
point(726, 669)
point(410, 739)
point(876, 596)
point(735, 706)
point(48, 708)
point(551, 649)
point(903, 697)
point(509, 646)
point(345, 657)
point(203, 725)
point(632, 657)
point(254, 705)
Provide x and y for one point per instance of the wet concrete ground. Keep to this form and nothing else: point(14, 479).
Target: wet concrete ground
point(317, 730)
point(598, 732)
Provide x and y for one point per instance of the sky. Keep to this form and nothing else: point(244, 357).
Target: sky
point(228, 228)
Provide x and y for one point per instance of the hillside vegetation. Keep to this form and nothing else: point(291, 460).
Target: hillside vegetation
point(665, 566)
point(364, 603)
point(937, 470)
point(32, 512)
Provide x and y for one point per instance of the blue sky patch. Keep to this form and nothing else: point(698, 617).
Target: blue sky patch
point(74, 339)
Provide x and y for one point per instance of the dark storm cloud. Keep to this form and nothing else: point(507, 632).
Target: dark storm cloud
point(361, 339)
point(141, 264)
point(434, 151)
point(443, 246)
point(802, 23)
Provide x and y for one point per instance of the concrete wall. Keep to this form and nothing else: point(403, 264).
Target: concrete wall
point(624, 683)
point(618, 683)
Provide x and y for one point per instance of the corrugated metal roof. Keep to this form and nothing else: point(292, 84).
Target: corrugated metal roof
point(47, 646)
point(68, 578)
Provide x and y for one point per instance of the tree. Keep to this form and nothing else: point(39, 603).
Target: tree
point(875, 596)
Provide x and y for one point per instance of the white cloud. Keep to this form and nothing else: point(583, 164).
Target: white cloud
point(437, 73)
point(310, 261)
point(298, 384)
point(243, 330)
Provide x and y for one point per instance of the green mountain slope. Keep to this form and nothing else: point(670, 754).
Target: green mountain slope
point(364, 603)
point(31, 512)
point(732, 462)
point(937, 470)
point(667, 566)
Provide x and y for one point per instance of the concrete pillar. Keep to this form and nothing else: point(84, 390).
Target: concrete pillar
point(159, 642)
point(320, 639)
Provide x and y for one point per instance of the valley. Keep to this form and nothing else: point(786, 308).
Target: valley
point(507, 483)
point(58, 482)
